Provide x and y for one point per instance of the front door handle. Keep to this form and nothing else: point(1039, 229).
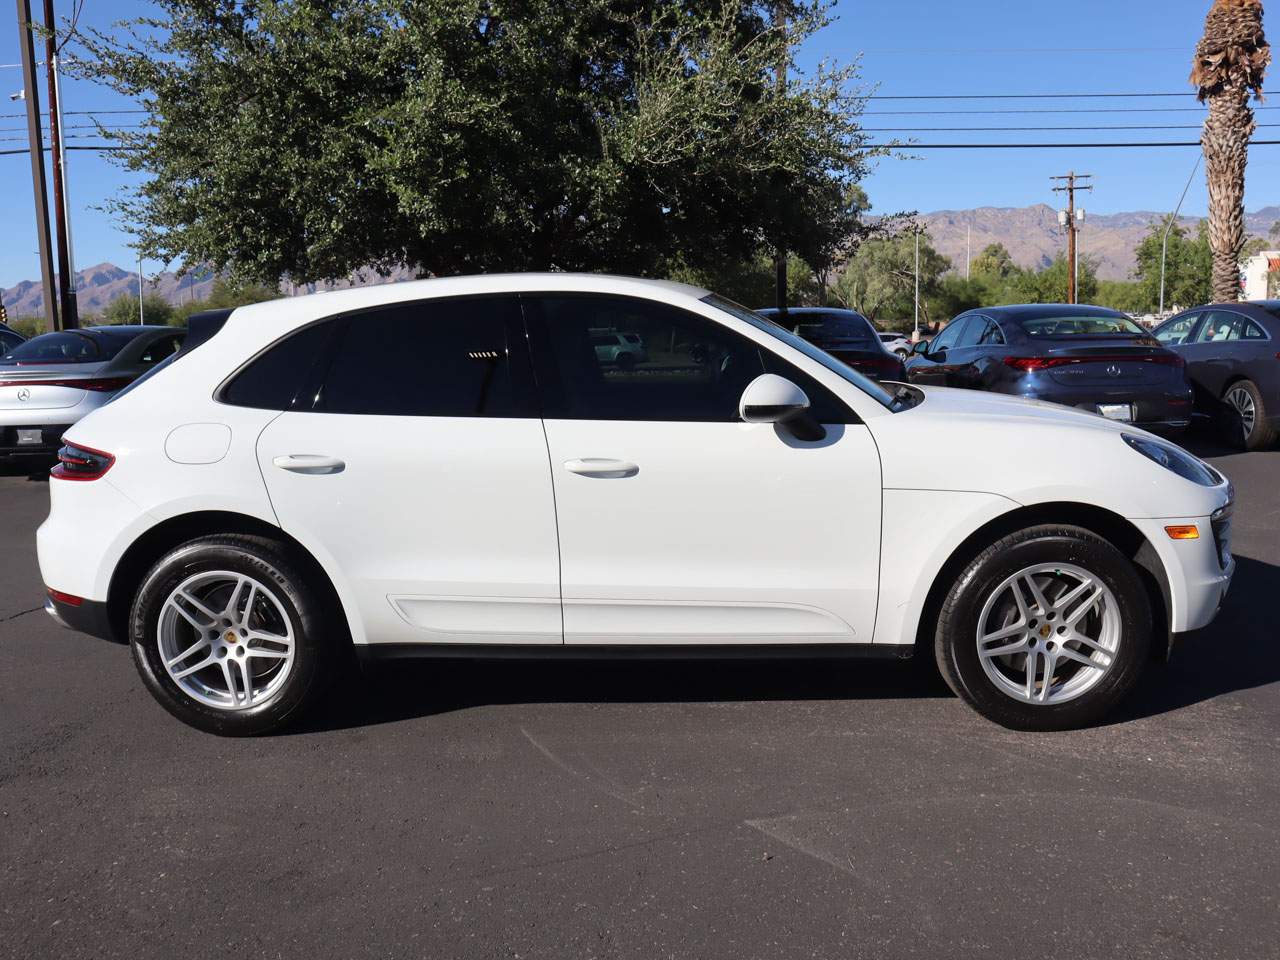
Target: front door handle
point(310, 464)
point(602, 469)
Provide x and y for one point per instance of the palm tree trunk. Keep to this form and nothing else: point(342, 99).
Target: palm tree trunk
point(1225, 140)
point(1230, 62)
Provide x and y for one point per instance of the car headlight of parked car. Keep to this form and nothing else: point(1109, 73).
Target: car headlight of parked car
point(1175, 459)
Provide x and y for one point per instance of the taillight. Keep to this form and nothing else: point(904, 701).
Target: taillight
point(882, 366)
point(81, 463)
point(100, 384)
point(1032, 364)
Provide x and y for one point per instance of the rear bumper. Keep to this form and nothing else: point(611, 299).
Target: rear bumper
point(1160, 411)
point(50, 440)
point(89, 616)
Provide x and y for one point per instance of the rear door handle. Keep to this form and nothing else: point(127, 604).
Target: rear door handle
point(601, 468)
point(310, 464)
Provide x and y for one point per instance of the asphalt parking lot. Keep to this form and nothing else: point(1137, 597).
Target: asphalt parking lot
point(647, 810)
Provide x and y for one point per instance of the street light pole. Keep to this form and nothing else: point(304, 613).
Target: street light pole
point(1164, 244)
point(917, 281)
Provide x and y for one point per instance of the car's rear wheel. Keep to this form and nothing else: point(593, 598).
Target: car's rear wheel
point(229, 637)
point(1046, 629)
point(626, 361)
point(1248, 415)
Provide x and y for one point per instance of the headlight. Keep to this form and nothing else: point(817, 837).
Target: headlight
point(1175, 459)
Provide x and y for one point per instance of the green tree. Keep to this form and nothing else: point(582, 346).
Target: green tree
point(124, 310)
point(1050, 284)
point(1188, 266)
point(879, 280)
point(308, 140)
point(993, 263)
point(1124, 295)
point(227, 293)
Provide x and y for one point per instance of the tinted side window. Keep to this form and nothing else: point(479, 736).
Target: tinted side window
point(991, 333)
point(950, 337)
point(272, 380)
point(161, 348)
point(432, 358)
point(1220, 327)
point(1254, 332)
point(693, 368)
point(972, 332)
point(1178, 330)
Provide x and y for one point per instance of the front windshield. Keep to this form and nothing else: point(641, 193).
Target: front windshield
point(1079, 326)
point(869, 387)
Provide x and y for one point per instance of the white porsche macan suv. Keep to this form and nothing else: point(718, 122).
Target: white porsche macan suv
point(448, 466)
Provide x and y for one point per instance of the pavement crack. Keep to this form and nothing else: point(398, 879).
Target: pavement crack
point(20, 613)
point(600, 782)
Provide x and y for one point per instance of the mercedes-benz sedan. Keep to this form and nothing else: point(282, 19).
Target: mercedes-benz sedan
point(50, 381)
point(448, 467)
point(1090, 358)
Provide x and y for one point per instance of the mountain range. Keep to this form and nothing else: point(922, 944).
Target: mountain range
point(1031, 235)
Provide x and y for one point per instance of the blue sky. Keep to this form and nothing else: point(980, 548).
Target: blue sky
point(927, 47)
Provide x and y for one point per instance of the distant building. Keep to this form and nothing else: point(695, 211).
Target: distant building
point(1259, 274)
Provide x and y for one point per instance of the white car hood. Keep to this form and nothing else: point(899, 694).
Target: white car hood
point(1031, 452)
point(963, 404)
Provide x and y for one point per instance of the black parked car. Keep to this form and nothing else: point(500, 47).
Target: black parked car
point(845, 334)
point(9, 338)
point(1087, 357)
point(1232, 351)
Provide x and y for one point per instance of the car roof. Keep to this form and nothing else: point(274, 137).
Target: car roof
point(274, 317)
point(771, 311)
point(1033, 311)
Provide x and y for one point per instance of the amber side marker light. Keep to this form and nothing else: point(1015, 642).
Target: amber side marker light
point(1188, 532)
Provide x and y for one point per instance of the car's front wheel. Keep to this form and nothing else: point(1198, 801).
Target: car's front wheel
point(229, 637)
point(1046, 629)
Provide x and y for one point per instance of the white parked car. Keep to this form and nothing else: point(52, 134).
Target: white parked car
point(49, 382)
point(448, 466)
point(896, 343)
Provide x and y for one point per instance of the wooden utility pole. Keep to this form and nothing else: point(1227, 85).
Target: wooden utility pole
point(1070, 188)
point(31, 94)
point(780, 254)
point(66, 282)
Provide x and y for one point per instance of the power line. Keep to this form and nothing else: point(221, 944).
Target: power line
point(909, 113)
point(1043, 146)
point(1194, 126)
point(1028, 96)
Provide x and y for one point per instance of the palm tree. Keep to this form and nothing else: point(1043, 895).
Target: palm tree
point(1230, 62)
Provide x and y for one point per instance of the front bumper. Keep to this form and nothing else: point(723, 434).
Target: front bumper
point(1198, 571)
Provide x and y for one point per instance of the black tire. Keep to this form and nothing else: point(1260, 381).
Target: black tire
point(315, 639)
point(625, 361)
point(955, 640)
point(1263, 434)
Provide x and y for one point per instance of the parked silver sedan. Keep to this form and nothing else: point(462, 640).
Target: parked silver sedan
point(51, 381)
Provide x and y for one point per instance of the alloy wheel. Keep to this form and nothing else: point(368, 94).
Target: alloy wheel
point(226, 640)
point(1242, 402)
point(1049, 633)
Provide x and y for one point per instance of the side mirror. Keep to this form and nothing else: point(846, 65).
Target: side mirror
point(770, 398)
point(920, 347)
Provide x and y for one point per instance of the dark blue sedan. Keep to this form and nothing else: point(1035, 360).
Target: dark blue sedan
point(845, 334)
point(1232, 352)
point(1087, 357)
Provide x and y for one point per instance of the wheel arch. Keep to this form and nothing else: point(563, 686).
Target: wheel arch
point(152, 544)
point(1109, 525)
